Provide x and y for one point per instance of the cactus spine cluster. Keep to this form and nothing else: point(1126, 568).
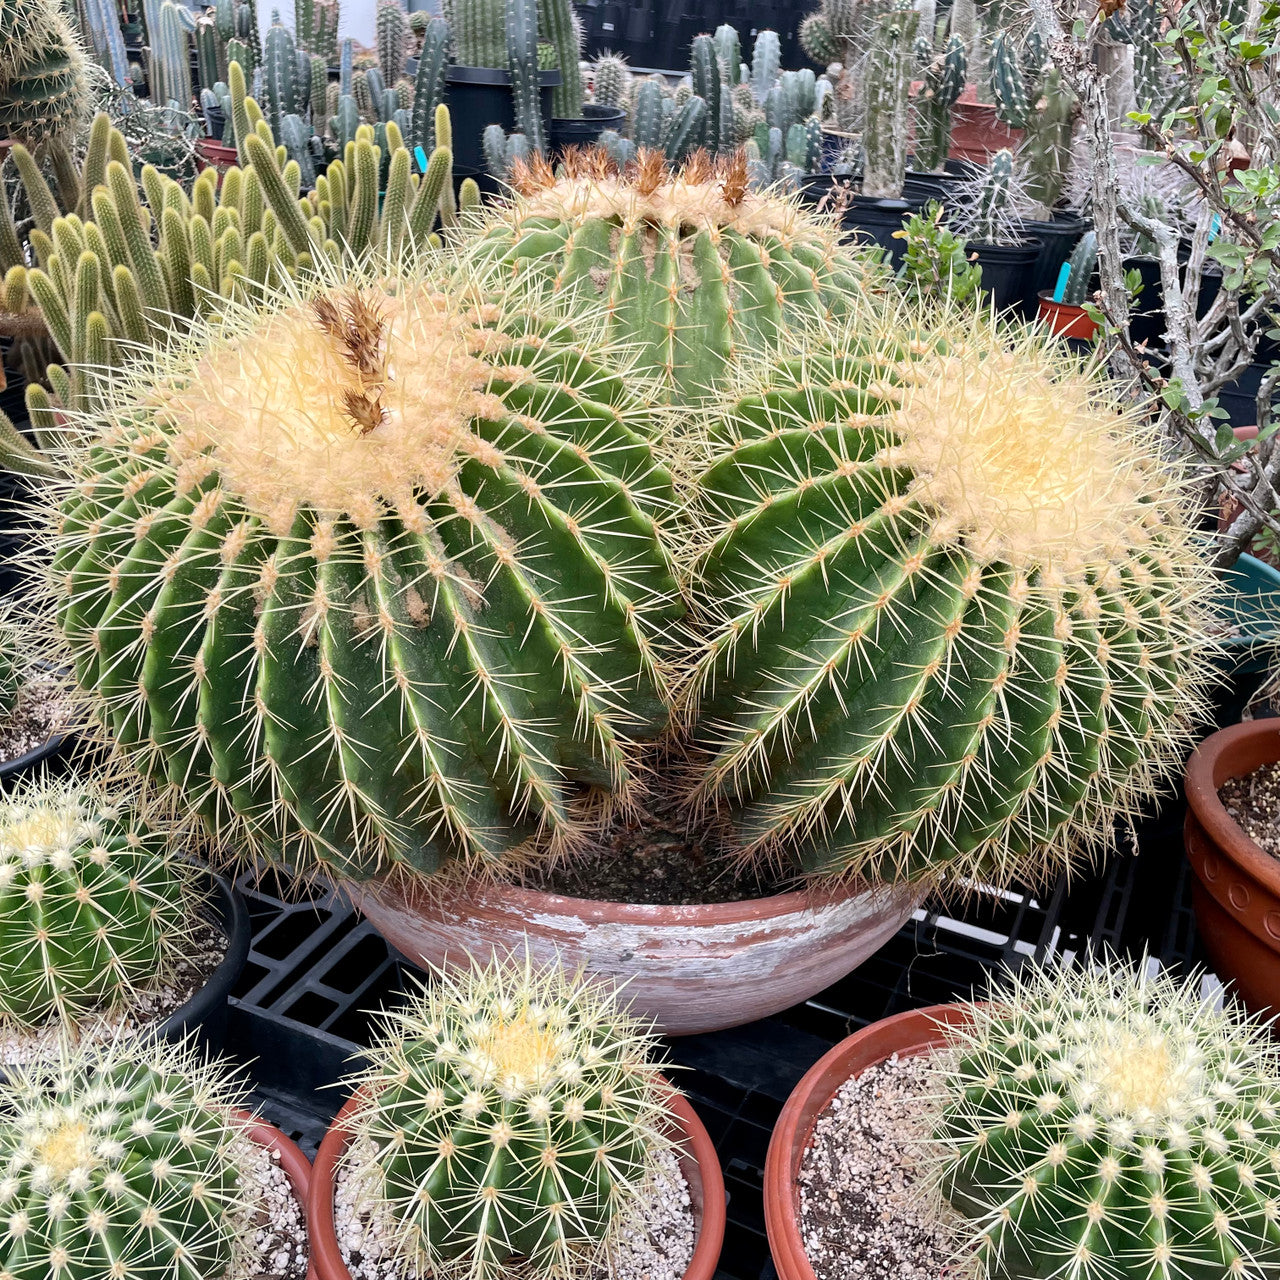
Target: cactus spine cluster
point(392, 39)
point(610, 79)
point(930, 650)
point(992, 213)
point(887, 102)
point(752, 263)
point(1049, 133)
point(1110, 1123)
point(123, 1159)
point(93, 905)
point(543, 1091)
point(468, 488)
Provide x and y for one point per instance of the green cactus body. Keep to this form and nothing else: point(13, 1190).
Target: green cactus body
point(528, 1076)
point(170, 66)
point(887, 91)
point(140, 1135)
point(1113, 1122)
point(344, 125)
point(943, 83)
point(924, 658)
point(43, 89)
point(688, 131)
point(480, 32)
point(704, 64)
point(751, 267)
point(646, 115)
point(1049, 132)
point(1008, 88)
point(558, 24)
point(392, 39)
point(93, 906)
point(993, 208)
point(522, 62)
point(1084, 261)
point(317, 29)
point(609, 80)
point(345, 64)
point(280, 76)
point(210, 53)
point(620, 150)
point(106, 38)
point(11, 668)
point(766, 59)
point(818, 40)
point(496, 689)
point(729, 53)
point(428, 86)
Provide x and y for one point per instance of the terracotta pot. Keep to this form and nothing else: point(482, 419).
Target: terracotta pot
point(1065, 319)
point(1237, 886)
point(976, 133)
point(689, 968)
point(907, 1034)
point(699, 1164)
point(216, 155)
point(297, 1169)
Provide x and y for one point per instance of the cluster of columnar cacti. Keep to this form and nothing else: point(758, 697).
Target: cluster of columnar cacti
point(317, 28)
point(930, 650)
point(468, 482)
point(1105, 1122)
point(170, 28)
point(93, 905)
point(943, 83)
point(392, 36)
point(502, 150)
point(887, 105)
point(124, 1159)
point(105, 39)
point(544, 1091)
point(750, 264)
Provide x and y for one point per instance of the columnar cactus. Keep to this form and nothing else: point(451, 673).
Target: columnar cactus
point(543, 1090)
point(992, 214)
point(522, 62)
point(93, 905)
point(428, 85)
point(106, 39)
point(279, 76)
point(123, 1159)
point(382, 460)
point(929, 650)
point(392, 39)
point(766, 59)
point(1008, 85)
point(558, 24)
point(479, 32)
point(1049, 132)
point(317, 28)
point(944, 78)
point(887, 89)
point(43, 90)
point(169, 68)
point(1109, 1123)
point(751, 264)
point(610, 78)
point(1083, 262)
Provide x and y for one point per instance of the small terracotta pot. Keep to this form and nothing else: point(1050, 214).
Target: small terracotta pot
point(699, 1164)
point(297, 1169)
point(689, 968)
point(1065, 318)
point(976, 133)
point(1237, 886)
point(216, 155)
point(907, 1034)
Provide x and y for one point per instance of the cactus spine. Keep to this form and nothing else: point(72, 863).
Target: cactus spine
point(43, 92)
point(888, 88)
point(529, 1075)
point(989, 673)
point(943, 83)
point(993, 209)
point(610, 80)
point(392, 39)
point(93, 906)
point(1116, 1120)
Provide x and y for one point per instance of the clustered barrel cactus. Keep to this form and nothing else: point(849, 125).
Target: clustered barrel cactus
point(1107, 1123)
point(524, 1104)
point(122, 1159)
point(375, 522)
point(696, 268)
point(93, 905)
point(929, 647)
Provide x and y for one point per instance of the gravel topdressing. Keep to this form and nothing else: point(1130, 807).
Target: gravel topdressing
point(1254, 802)
point(42, 711)
point(279, 1249)
point(866, 1208)
point(657, 1245)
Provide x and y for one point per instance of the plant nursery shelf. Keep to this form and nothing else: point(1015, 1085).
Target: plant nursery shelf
point(302, 1010)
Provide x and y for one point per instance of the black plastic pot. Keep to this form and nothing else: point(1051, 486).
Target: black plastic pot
point(38, 760)
point(869, 220)
point(1240, 398)
point(1147, 322)
point(1058, 236)
point(938, 186)
point(205, 1014)
point(585, 130)
point(480, 96)
point(1006, 269)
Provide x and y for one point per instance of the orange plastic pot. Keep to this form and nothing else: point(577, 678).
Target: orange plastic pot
point(1237, 886)
point(908, 1035)
point(1065, 319)
point(297, 1169)
point(698, 1162)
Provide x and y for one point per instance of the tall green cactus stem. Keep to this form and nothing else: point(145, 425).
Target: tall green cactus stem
point(993, 210)
point(317, 28)
point(646, 115)
point(766, 60)
point(345, 64)
point(557, 23)
point(704, 64)
point(333, 498)
point(210, 53)
point(392, 39)
point(137, 1134)
point(169, 69)
point(480, 32)
point(888, 107)
point(688, 131)
point(1113, 1123)
point(1083, 262)
point(106, 39)
point(428, 86)
point(610, 79)
point(531, 1078)
point(729, 53)
point(93, 906)
point(928, 657)
point(751, 264)
point(522, 62)
point(1008, 88)
point(279, 76)
point(1049, 134)
point(943, 84)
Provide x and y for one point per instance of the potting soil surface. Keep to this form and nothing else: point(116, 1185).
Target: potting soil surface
point(1254, 802)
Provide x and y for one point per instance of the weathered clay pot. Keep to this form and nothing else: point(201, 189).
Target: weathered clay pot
point(907, 1034)
point(698, 1162)
point(297, 1169)
point(215, 155)
point(689, 968)
point(976, 133)
point(1237, 885)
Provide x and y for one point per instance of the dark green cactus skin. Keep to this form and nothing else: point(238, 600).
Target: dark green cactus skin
point(1008, 87)
point(157, 1160)
point(704, 64)
point(479, 32)
point(428, 85)
point(943, 83)
point(851, 662)
point(556, 24)
point(280, 76)
point(522, 62)
point(646, 118)
point(497, 688)
point(10, 669)
point(1114, 1123)
point(89, 910)
point(688, 132)
point(1083, 260)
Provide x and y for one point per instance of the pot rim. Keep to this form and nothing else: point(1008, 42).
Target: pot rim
point(297, 1169)
point(701, 1154)
point(591, 911)
point(910, 1034)
point(1047, 298)
point(1202, 797)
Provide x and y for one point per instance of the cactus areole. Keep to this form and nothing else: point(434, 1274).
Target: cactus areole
point(949, 607)
point(371, 577)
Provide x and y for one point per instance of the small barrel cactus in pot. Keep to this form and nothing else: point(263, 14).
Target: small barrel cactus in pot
point(525, 1106)
point(1111, 1123)
point(93, 904)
